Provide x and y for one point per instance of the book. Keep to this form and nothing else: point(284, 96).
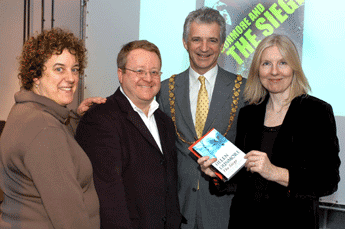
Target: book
point(230, 159)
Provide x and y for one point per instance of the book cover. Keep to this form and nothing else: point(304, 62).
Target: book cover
point(230, 159)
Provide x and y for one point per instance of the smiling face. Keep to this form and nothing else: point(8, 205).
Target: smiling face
point(203, 46)
point(140, 89)
point(274, 72)
point(59, 79)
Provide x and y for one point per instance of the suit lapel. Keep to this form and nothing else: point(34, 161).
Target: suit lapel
point(182, 104)
point(161, 130)
point(222, 93)
point(134, 118)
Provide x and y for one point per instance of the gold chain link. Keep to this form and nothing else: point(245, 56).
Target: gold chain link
point(234, 105)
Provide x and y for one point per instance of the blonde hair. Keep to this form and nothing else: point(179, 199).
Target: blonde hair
point(254, 92)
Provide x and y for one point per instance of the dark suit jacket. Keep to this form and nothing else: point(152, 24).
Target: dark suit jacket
point(308, 147)
point(135, 182)
point(214, 208)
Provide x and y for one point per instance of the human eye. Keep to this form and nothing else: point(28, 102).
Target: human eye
point(75, 70)
point(140, 72)
point(283, 64)
point(195, 39)
point(265, 63)
point(59, 69)
point(214, 40)
point(155, 73)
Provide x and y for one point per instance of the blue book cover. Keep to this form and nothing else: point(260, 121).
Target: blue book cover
point(230, 159)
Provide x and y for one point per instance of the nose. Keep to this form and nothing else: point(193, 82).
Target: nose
point(71, 76)
point(204, 46)
point(147, 76)
point(274, 69)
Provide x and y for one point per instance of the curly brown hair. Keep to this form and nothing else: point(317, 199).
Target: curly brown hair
point(38, 49)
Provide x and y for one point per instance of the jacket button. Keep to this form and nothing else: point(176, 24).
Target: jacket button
point(162, 161)
point(194, 189)
point(164, 219)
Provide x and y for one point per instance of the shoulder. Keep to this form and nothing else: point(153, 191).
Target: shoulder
point(27, 121)
point(227, 80)
point(311, 103)
point(177, 77)
point(163, 117)
point(34, 117)
point(104, 110)
point(230, 75)
point(248, 110)
point(180, 78)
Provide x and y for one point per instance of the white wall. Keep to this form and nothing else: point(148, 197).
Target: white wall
point(67, 16)
point(109, 25)
point(11, 41)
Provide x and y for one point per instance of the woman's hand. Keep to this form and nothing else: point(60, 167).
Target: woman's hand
point(259, 162)
point(87, 103)
point(205, 165)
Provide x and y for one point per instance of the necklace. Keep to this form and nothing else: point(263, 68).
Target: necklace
point(234, 105)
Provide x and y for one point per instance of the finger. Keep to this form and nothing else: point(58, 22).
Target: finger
point(254, 170)
point(211, 174)
point(99, 100)
point(201, 160)
point(209, 162)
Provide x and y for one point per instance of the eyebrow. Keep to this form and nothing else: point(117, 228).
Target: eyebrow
point(216, 38)
point(282, 59)
point(59, 64)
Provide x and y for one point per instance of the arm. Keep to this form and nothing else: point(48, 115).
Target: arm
point(84, 106)
point(97, 135)
point(159, 100)
point(316, 169)
point(87, 103)
point(51, 167)
point(205, 164)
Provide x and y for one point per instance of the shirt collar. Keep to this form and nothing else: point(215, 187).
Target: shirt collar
point(210, 76)
point(153, 106)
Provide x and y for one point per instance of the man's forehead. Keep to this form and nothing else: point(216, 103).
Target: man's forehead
point(208, 30)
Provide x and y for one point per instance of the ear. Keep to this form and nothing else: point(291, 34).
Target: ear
point(221, 47)
point(185, 44)
point(37, 81)
point(120, 75)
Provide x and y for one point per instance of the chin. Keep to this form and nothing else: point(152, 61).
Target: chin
point(66, 102)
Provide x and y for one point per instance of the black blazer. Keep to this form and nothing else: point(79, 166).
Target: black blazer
point(307, 146)
point(135, 182)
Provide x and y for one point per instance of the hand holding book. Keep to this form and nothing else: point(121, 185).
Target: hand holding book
point(206, 165)
point(226, 159)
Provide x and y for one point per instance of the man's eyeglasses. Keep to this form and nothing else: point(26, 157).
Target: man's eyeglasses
point(143, 73)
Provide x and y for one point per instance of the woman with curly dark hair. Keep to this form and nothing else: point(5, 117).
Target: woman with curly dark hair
point(45, 175)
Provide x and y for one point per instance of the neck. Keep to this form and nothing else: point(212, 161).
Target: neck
point(146, 111)
point(145, 107)
point(277, 102)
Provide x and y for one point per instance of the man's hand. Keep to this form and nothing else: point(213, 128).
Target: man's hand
point(87, 103)
point(205, 165)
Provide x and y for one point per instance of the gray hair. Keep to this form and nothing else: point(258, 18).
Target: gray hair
point(205, 15)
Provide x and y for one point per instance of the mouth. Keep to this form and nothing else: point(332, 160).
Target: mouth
point(143, 86)
point(275, 80)
point(65, 88)
point(204, 56)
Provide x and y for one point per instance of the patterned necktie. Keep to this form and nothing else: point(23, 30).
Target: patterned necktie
point(201, 108)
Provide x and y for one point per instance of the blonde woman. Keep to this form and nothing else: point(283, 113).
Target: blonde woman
point(290, 140)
